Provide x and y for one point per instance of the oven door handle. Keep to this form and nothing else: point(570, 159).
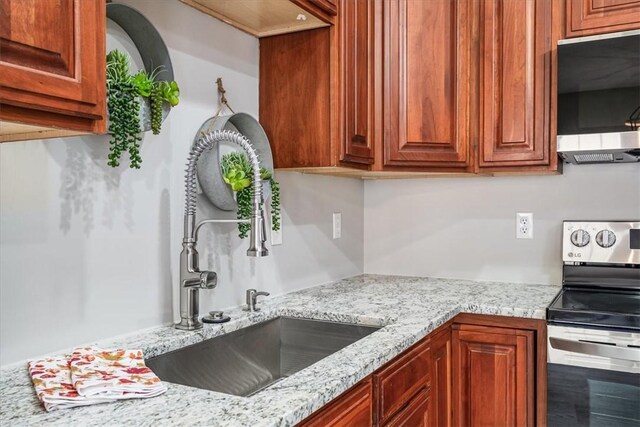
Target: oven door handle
point(595, 349)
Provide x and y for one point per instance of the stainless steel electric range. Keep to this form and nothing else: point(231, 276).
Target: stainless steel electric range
point(594, 327)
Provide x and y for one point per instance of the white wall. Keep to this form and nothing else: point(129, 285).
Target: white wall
point(465, 227)
point(87, 251)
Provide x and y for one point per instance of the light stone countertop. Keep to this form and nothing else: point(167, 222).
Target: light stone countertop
point(408, 308)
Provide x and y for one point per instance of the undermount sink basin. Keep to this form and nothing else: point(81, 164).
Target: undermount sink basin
point(249, 359)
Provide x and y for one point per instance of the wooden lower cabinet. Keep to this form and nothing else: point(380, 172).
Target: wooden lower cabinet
point(493, 376)
point(441, 374)
point(416, 414)
point(353, 408)
point(476, 370)
point(400, 380)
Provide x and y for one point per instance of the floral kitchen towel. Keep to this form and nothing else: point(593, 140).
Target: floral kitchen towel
point(90, 375)
point(51, 378)
point(119, 374)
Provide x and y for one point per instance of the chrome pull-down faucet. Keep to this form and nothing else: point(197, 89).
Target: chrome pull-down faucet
point(192, 279)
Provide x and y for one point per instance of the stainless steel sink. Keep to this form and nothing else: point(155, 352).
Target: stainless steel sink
point(249, 359)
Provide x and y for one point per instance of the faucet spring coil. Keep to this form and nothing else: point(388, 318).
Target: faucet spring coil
point(206, 142)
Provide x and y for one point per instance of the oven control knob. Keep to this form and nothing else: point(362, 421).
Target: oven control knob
point(605, 238)
point(580, 238)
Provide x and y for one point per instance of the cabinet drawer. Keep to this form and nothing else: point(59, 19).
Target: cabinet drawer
point(398, 382)
point(353, 408)
point(414, 415)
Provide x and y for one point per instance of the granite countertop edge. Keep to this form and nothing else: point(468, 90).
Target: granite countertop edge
point(406, 308)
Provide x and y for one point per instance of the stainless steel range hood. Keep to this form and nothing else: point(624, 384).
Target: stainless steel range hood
point(613, 147)
point(599, 99)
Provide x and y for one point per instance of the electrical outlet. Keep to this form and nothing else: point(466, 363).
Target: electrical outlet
point(337, 225)
point(524, 225)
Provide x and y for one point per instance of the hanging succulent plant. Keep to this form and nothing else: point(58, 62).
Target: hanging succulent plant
point(124, 110)
point(124, 92)
point(236, 171)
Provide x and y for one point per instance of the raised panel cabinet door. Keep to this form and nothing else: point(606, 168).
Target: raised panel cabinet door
point(354, 408)
point(426, 82)
point(441, 380)
point(357, 79)
point(515, 82)
point(493, 377)
point(589, 17)
point(53, 56)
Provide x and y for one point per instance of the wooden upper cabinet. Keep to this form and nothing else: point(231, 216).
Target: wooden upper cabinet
point(416, 86)
point(515, 83)
point(52, 61)
point(296, 96)
point(427, 47)
point(325, 10)
point(265, 18)
point(356, 29)
point(493, 381)
point(328, 6)
point(589, 17)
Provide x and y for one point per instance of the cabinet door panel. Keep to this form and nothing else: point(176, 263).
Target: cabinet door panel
point(357, 57)
point(53, 55)
point(493, 380)
point(515, 82)
point(588, 17)
point(426, 82)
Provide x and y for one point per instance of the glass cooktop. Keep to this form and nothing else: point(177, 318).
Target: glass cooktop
point(618, 309)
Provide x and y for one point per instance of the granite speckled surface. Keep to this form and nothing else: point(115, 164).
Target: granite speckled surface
point(408, 308)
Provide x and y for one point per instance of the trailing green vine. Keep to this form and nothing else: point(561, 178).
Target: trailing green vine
point(124, 110)
point(123, 101)
point(156, 109)
point(275, 205)
point(236, 171)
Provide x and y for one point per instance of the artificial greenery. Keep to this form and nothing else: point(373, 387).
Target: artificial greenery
point(123, 101)
point(236, 171)
point(155, 98)
point(124, 109)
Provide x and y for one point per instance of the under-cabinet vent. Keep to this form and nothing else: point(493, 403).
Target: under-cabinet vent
point(594, 158)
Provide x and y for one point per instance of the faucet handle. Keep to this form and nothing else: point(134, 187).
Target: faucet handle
point(252, 299)
point(208, 279)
